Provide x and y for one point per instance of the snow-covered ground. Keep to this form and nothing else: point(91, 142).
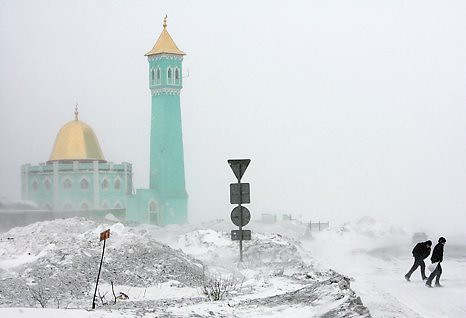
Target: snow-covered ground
point(345, 271)
point(376, 256)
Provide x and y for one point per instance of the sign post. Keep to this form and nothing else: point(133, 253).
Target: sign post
point(240, 194)
point(103, 237)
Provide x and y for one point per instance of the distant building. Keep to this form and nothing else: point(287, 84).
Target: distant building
point(77, 177)
point(166, 200)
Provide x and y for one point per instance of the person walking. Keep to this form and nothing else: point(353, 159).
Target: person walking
point(437, 257)
point(420, 252)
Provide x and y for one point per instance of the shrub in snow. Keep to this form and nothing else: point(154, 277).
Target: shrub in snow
point(40, 295)
point(216, 287)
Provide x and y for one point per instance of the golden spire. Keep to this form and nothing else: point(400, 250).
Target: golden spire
point(76, 113)
point(165, 43)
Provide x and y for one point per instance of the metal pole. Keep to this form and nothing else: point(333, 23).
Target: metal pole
point(240, 220)
point(98, 275)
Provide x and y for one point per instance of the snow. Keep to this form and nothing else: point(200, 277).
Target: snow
point(344, 271)
point(377, 266)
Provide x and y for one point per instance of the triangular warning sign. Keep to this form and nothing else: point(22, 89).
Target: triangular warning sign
point(239, 166)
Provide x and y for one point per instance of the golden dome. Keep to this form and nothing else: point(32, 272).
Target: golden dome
point(76, 141)
point(165, 43)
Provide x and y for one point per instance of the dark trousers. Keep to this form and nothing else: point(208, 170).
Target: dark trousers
point(418, 262)
point(435, 274)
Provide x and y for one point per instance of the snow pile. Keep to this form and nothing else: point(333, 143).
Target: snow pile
point(331, 297)
point(162, 271)
point(206, 242)
point(273, 250)
point(63, 256)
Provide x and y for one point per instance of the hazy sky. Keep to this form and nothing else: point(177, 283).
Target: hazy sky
point(346, 108)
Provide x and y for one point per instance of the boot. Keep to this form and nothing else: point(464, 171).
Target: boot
point(407, 278)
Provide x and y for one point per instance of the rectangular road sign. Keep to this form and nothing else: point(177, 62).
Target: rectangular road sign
point(236, 189)
point(105, 235)
point(237, 235)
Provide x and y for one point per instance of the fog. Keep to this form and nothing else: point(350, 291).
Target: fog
point(346, 108)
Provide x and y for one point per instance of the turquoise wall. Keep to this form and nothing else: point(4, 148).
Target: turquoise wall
point(147, 206)
point(163, 62)
point(166, 201)
point(167, 158)
point(167, 174)
point(65, 190)
point(140, 209)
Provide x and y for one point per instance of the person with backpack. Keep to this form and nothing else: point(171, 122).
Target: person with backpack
point(437, 257)
point(420, 252)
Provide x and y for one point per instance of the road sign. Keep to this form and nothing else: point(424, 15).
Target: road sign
point(239, 166)
point(240, 217)
point(105, 235)
point(239, 188)
point(237, 235)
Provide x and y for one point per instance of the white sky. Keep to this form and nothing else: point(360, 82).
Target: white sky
point(346, 108)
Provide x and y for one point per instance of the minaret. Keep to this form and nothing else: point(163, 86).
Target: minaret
point(167, 176)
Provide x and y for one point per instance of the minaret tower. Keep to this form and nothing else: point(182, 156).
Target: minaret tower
point(167, 176)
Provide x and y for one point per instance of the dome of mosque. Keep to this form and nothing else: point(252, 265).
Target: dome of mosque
point(76, 141)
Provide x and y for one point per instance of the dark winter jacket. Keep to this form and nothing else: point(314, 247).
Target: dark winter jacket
point(437, 254)
point(421, 250)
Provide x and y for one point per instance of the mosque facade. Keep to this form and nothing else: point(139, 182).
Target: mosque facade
point(78, 178)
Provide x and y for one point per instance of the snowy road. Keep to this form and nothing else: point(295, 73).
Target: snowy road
point(385, 292)
point(379, 280)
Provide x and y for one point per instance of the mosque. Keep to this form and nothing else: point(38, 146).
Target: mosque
point(78, 179)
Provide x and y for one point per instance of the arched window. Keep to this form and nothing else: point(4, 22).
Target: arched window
point(84, 184)
point(118, 205)
point(105, 184)
point(159, 78)
point(152, 76)
point(169, 76)
point(117, 184)
point(177, 76)
point(35, 185)
point(47, 184)
point(67, 184)
point(84, 206)
point(67, 206)
point(105, 205)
